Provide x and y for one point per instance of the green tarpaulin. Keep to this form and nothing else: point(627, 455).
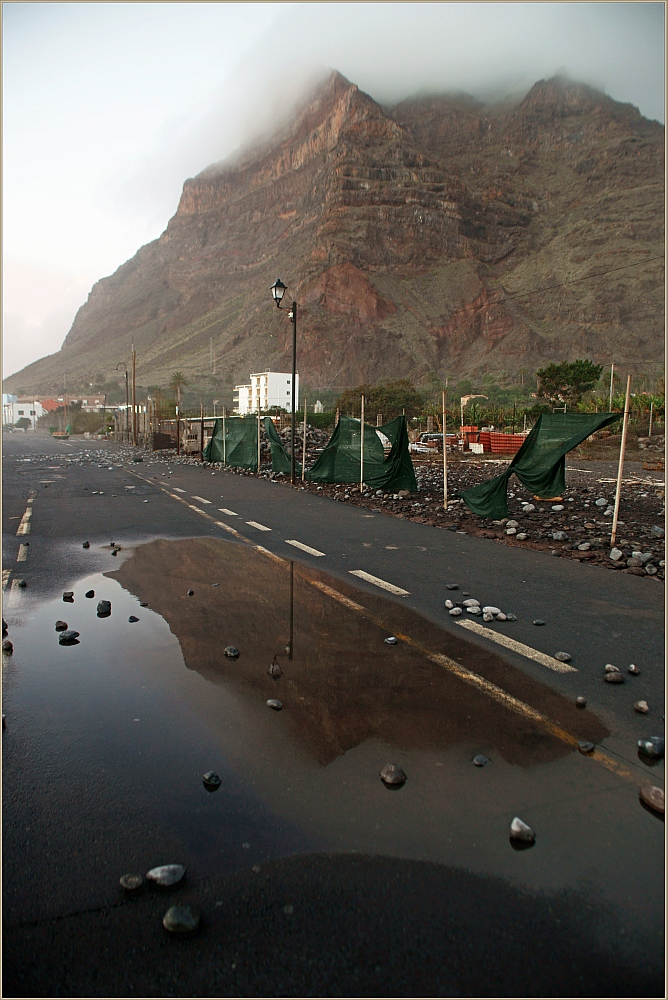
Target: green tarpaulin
point(540, 464)
point(238, 447)
point(340, 460)
point(280, 460)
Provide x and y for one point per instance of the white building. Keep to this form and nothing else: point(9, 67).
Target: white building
point(265, 391)
point(318, 408)
point(15, 409)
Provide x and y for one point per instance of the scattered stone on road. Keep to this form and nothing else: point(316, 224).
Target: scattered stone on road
point(133, 618)
point(181, 919)
point(454, 612)
point(616, 554)
point(519, 830)
point(68, 595)
point(275, 704)
point(191, 593)
point(86, 545)
point(538, 621)
point(614, 677)
point(166, 876)
point(7, 646)
point(69, 635)
point(392, 774)
point(653, 797)
point(584, 746)
point(641, 706)
point(652, 747)
point(61, 626)
point(480, 760)
point(452, 586)
point(231, 652)
point(391, 640)
point(131, 883)
point(211, 780)
point(564, 657)
point(633, 669)
point(580, 701)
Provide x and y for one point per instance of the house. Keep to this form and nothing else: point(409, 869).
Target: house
point(265, 391)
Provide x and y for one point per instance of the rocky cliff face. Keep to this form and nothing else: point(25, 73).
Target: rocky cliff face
point(439, 236)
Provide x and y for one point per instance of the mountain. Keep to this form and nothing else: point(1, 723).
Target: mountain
point(439, 236)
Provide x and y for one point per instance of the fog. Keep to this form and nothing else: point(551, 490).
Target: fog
point(109, 107)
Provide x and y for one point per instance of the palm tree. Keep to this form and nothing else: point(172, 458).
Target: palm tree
point(177, 382)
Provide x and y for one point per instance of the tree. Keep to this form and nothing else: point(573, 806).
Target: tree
point(568, 382)
point(177, 382)
point(23, 423)
point(388, 398)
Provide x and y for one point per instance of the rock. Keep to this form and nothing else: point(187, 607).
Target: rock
point(510, 617)
point(166, 876)
point(616, 554)
point(275, 670)
point(610, 668)
point(86, 545)
point(580, 701)
point(641, 706)
point(402, 494)
point(519, 830)
point(487, 617)
point(191, 593)
point(601, 502)
point(474, 609)
point(501, 617)
point(563, 657)
point(633, 669)
point(133, 618)
point(633, 563)
point(522, 536)
point(511, 531)
point(90, 593)
point(657, 532)
point(231, 652)
point(480, 760)
point(538, 621)
point(454, 612)
point(558, 506)
point(143, 604)
point(652, 747)
point(512, 524)
point(392, 774)
point(489, 609)
point(391, 639)
point(584, 746)
point(528, 508)
point(584, 547)
point(448, 586)
point(211, 780)
point(67, 637)
point(68, 595)
point(651, 570)
point(449, 605)
point(181, 919)
point(131, 883)
point(560, 536)
point(471, 603)
point(4, 626)
point(7, 646)
point(653, 797)
point(103, 609)
point(61, 626)
point(275, 704)
point(614, 677)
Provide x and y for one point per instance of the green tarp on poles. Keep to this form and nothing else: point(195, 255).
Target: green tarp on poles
point(540, 464)
point(238, 448)
point(340, 459)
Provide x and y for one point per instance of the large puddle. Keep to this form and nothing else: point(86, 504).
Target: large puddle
point(120, 728)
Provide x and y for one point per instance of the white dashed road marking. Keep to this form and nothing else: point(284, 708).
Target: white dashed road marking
point(260, 527)
point(201, 499)
point(377, 582)
point(519, 647)
point(23, 553)
point(224, 510)
point(6, 573)
point(305, 548)
point(178, 489)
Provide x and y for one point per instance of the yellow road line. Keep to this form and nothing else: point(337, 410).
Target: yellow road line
point(518, 647)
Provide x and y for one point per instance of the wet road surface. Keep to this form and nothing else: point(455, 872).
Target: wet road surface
point(313, 878)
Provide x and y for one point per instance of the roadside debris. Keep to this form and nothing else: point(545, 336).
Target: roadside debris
point(580, 701)
point(7, 646)
point(584, 746)
point(563, 657)
point(652, 747)
point(90, 593)
point(519, 830)
point(393, 775)
point(68, 595)
point(275, 704)
point(231, 652)
point(61, 626)
point(131, 883)
point(86, 545)
point(641, 706)
point(68, 638)
point(211, 781)
point(391, 640)
point(103, 609)
point(166, 876)
point(480, 760)
point(633, 669)
point(181, 919)
point(653, 797)
point(133, 618)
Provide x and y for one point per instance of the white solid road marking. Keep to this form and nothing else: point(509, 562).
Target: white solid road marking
point(23, 553)
point(379, 583)
point(305, 548)
point(193, 507)
point(260, 527)
point(519, 647)
point(201, 499)
point(224, 510)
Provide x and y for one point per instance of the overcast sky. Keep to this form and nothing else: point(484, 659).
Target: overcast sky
point(109, 107)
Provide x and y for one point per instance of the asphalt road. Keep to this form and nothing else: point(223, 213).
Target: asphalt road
point(61, 916)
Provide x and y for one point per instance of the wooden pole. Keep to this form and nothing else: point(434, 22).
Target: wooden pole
point(445, 461)
point(651, 414)
point(224, 439)
point(622, 448)
point(612, 375)
point(258, 437)
point(362, 448)
point(134, 398)
point(304, 444)
point(201, 432)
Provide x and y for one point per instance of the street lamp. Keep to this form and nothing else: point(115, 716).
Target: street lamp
point(214, 406)
point(122, 364)
point(278, 290)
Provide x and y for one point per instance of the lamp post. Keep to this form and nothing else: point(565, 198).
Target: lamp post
point(122, 364)
point(278, 290)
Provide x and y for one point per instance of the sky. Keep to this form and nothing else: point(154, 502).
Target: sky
point(109, 107)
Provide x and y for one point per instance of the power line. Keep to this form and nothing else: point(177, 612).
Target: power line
point(587, 277)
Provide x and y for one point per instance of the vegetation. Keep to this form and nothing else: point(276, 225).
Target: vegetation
point(389, 398)
point(568, 382)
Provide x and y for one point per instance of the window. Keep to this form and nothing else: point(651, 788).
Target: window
point(32, 413)
point(20, 413)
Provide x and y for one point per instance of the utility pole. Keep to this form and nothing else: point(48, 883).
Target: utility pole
point(445, 460)
point(622, 449)
point(201, 431)
point(362, 448)
point(304, 444)
point(134, 397)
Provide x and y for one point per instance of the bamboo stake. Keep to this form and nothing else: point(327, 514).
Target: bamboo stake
point(445, 461)
point(362, 448)
point(612, 375)
point(224, 440)
point(258, 438)
point(304, 444)
point(622, 448)
point(651, 414)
